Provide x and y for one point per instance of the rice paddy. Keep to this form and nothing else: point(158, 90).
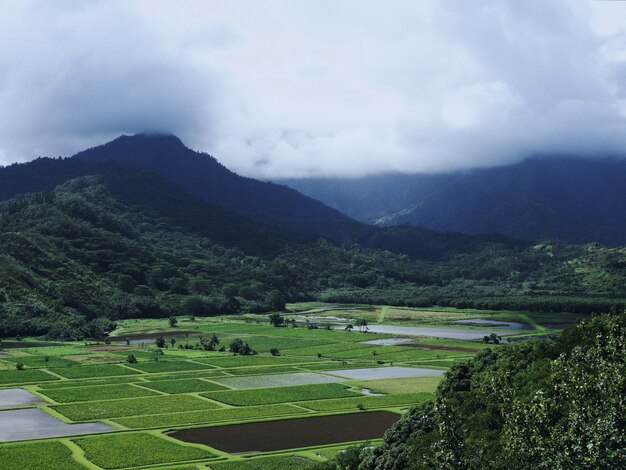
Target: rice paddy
point(62, 404)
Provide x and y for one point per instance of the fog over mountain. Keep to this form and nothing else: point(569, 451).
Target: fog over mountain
point(295, 89)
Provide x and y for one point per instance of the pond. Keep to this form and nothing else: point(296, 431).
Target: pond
point(276, 380)
point(13, 397)
point(493, 323)
point(436, 332)
point(33, 423)
point(394, 372)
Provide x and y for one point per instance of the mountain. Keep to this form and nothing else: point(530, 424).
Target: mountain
point(99, 236)
point(203, 176)
point(573, 200)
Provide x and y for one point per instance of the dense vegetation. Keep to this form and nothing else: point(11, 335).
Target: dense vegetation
point(569, 199)
point(99, 238)
point(127, 244)
point(539, 404)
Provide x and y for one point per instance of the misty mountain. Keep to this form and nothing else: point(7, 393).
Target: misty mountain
point(179, 180)
point(569, 199)
point(204, 177)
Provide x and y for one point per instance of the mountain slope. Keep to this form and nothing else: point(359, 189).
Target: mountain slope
point(573, 200)
point(204, 177)
point(125, 243)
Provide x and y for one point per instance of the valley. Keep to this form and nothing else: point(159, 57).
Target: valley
point(157, 405)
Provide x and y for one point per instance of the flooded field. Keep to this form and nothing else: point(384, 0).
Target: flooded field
point(291, 433)
point(33, 423)
point(491, 323)
point(375, 373)
point(389, 341)
point(436, 332)
point(13, 397)
point(276, 380)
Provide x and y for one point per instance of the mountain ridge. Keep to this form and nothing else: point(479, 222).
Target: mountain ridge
point(571, 199)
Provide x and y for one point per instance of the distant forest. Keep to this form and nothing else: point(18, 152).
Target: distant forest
point(124, 244)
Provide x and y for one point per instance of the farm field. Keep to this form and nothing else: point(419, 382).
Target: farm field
point(127, 403)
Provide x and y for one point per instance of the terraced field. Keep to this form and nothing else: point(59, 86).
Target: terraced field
point(128, 409)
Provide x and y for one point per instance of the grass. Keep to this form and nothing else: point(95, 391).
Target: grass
point(136, 449)
point(24, 376)
point(168, 366)
point(401, 386)
point(187, 387)
point(94, 410)
point(104, 370)
point(183, 386)
point(40, 361)
point(44, 455)
point(292, 462)
point(208, 416)
point(263, 370)
point(87, 382)
point(226, 362)
point(367, 402)
point(97, 392)
point(266, 396)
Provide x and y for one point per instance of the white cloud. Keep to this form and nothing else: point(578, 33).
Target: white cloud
point(282, 88)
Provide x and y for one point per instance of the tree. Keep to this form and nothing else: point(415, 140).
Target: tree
point(172, 341)
point(274, 352)
point(131, 359)
point(209, 344)
point(160, 342)
point(19, 366)
point(361, 324)
point(241, 348)
point(276, 319)
point(349, 327)
point(173, 321)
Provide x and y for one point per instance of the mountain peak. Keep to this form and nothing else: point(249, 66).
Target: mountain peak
point(139, 149)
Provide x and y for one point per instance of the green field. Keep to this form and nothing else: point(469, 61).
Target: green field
point(132, 450)
point(268, 396)
point(97, 392)
point(87, 382)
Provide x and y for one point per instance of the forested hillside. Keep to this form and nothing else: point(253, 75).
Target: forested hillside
point(558, 404)
point(123, 244)
point(574, 200)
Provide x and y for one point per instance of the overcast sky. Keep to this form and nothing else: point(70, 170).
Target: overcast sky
point(317, 88)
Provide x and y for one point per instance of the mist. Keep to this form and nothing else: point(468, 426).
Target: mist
point(298, 89)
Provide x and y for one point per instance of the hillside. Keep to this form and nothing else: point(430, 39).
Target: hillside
point(536, 404)
point(573, 200)
point(123, 244)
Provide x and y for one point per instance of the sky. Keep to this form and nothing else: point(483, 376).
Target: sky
point(277, 89)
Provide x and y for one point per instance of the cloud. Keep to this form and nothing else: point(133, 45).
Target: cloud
point(281, 89)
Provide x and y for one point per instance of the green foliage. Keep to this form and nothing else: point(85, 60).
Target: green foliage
point(104, 370)
point(183, 386)
point(367, 402)
point(276, 319)
point(291, 462)
point(86, 248)
point(132, 407)
point(95, 393)
point(267, 396)
point(241, 348)
point(37, 456)
point(24, 376)
point(135, 449)
point(169, 366)
point(548, 404)
point(209, 416)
